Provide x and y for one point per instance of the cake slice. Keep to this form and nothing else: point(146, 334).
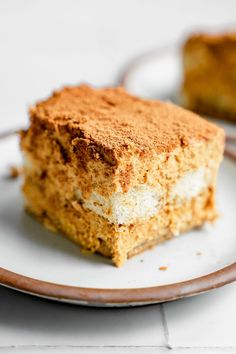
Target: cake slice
point(209, 69)
point(118, 174)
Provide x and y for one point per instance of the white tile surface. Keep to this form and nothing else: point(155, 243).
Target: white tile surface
point(203, 321)
point(47, 44)
point(26, 320)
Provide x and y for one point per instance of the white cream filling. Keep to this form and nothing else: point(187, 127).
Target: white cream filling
point(143, 201)
point(190, 185)
point(121, 208)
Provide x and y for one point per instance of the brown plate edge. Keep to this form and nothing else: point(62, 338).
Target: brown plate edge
point(121, 297)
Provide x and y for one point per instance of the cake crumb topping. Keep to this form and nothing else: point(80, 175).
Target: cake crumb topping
point(114, 120)
point(163, 268)
point(15, 171)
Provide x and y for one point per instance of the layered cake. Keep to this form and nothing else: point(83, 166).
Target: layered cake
point(117, 174)
point(209, 68)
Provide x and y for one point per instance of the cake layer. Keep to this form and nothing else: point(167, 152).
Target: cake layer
point(95, 234)
point(140, 202)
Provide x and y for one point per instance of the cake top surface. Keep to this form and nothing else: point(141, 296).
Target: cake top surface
point(115, 120)
point(214, 38)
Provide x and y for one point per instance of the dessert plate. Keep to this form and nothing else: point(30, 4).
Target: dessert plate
point(36, 261)
point(156, 74)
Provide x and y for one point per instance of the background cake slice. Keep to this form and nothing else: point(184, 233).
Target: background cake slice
point(118, 174)
point(209, 70)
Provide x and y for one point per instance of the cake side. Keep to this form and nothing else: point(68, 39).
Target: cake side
point(182, 174)
point(209, 63)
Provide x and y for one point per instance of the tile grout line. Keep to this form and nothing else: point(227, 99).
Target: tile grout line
point(216, 347)
point(45, 346)
point(68, 346)
point(165, 327)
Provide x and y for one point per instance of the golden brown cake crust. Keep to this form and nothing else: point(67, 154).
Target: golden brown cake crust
point(219, 51)
point(217, 38)
point(209, 67)
point(118, 122)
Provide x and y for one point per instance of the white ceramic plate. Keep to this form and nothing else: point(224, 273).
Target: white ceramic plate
point(155, 74)
point(45, 264)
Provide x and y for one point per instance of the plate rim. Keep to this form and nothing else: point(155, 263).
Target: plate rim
point(122, 296)
point(141, 58)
